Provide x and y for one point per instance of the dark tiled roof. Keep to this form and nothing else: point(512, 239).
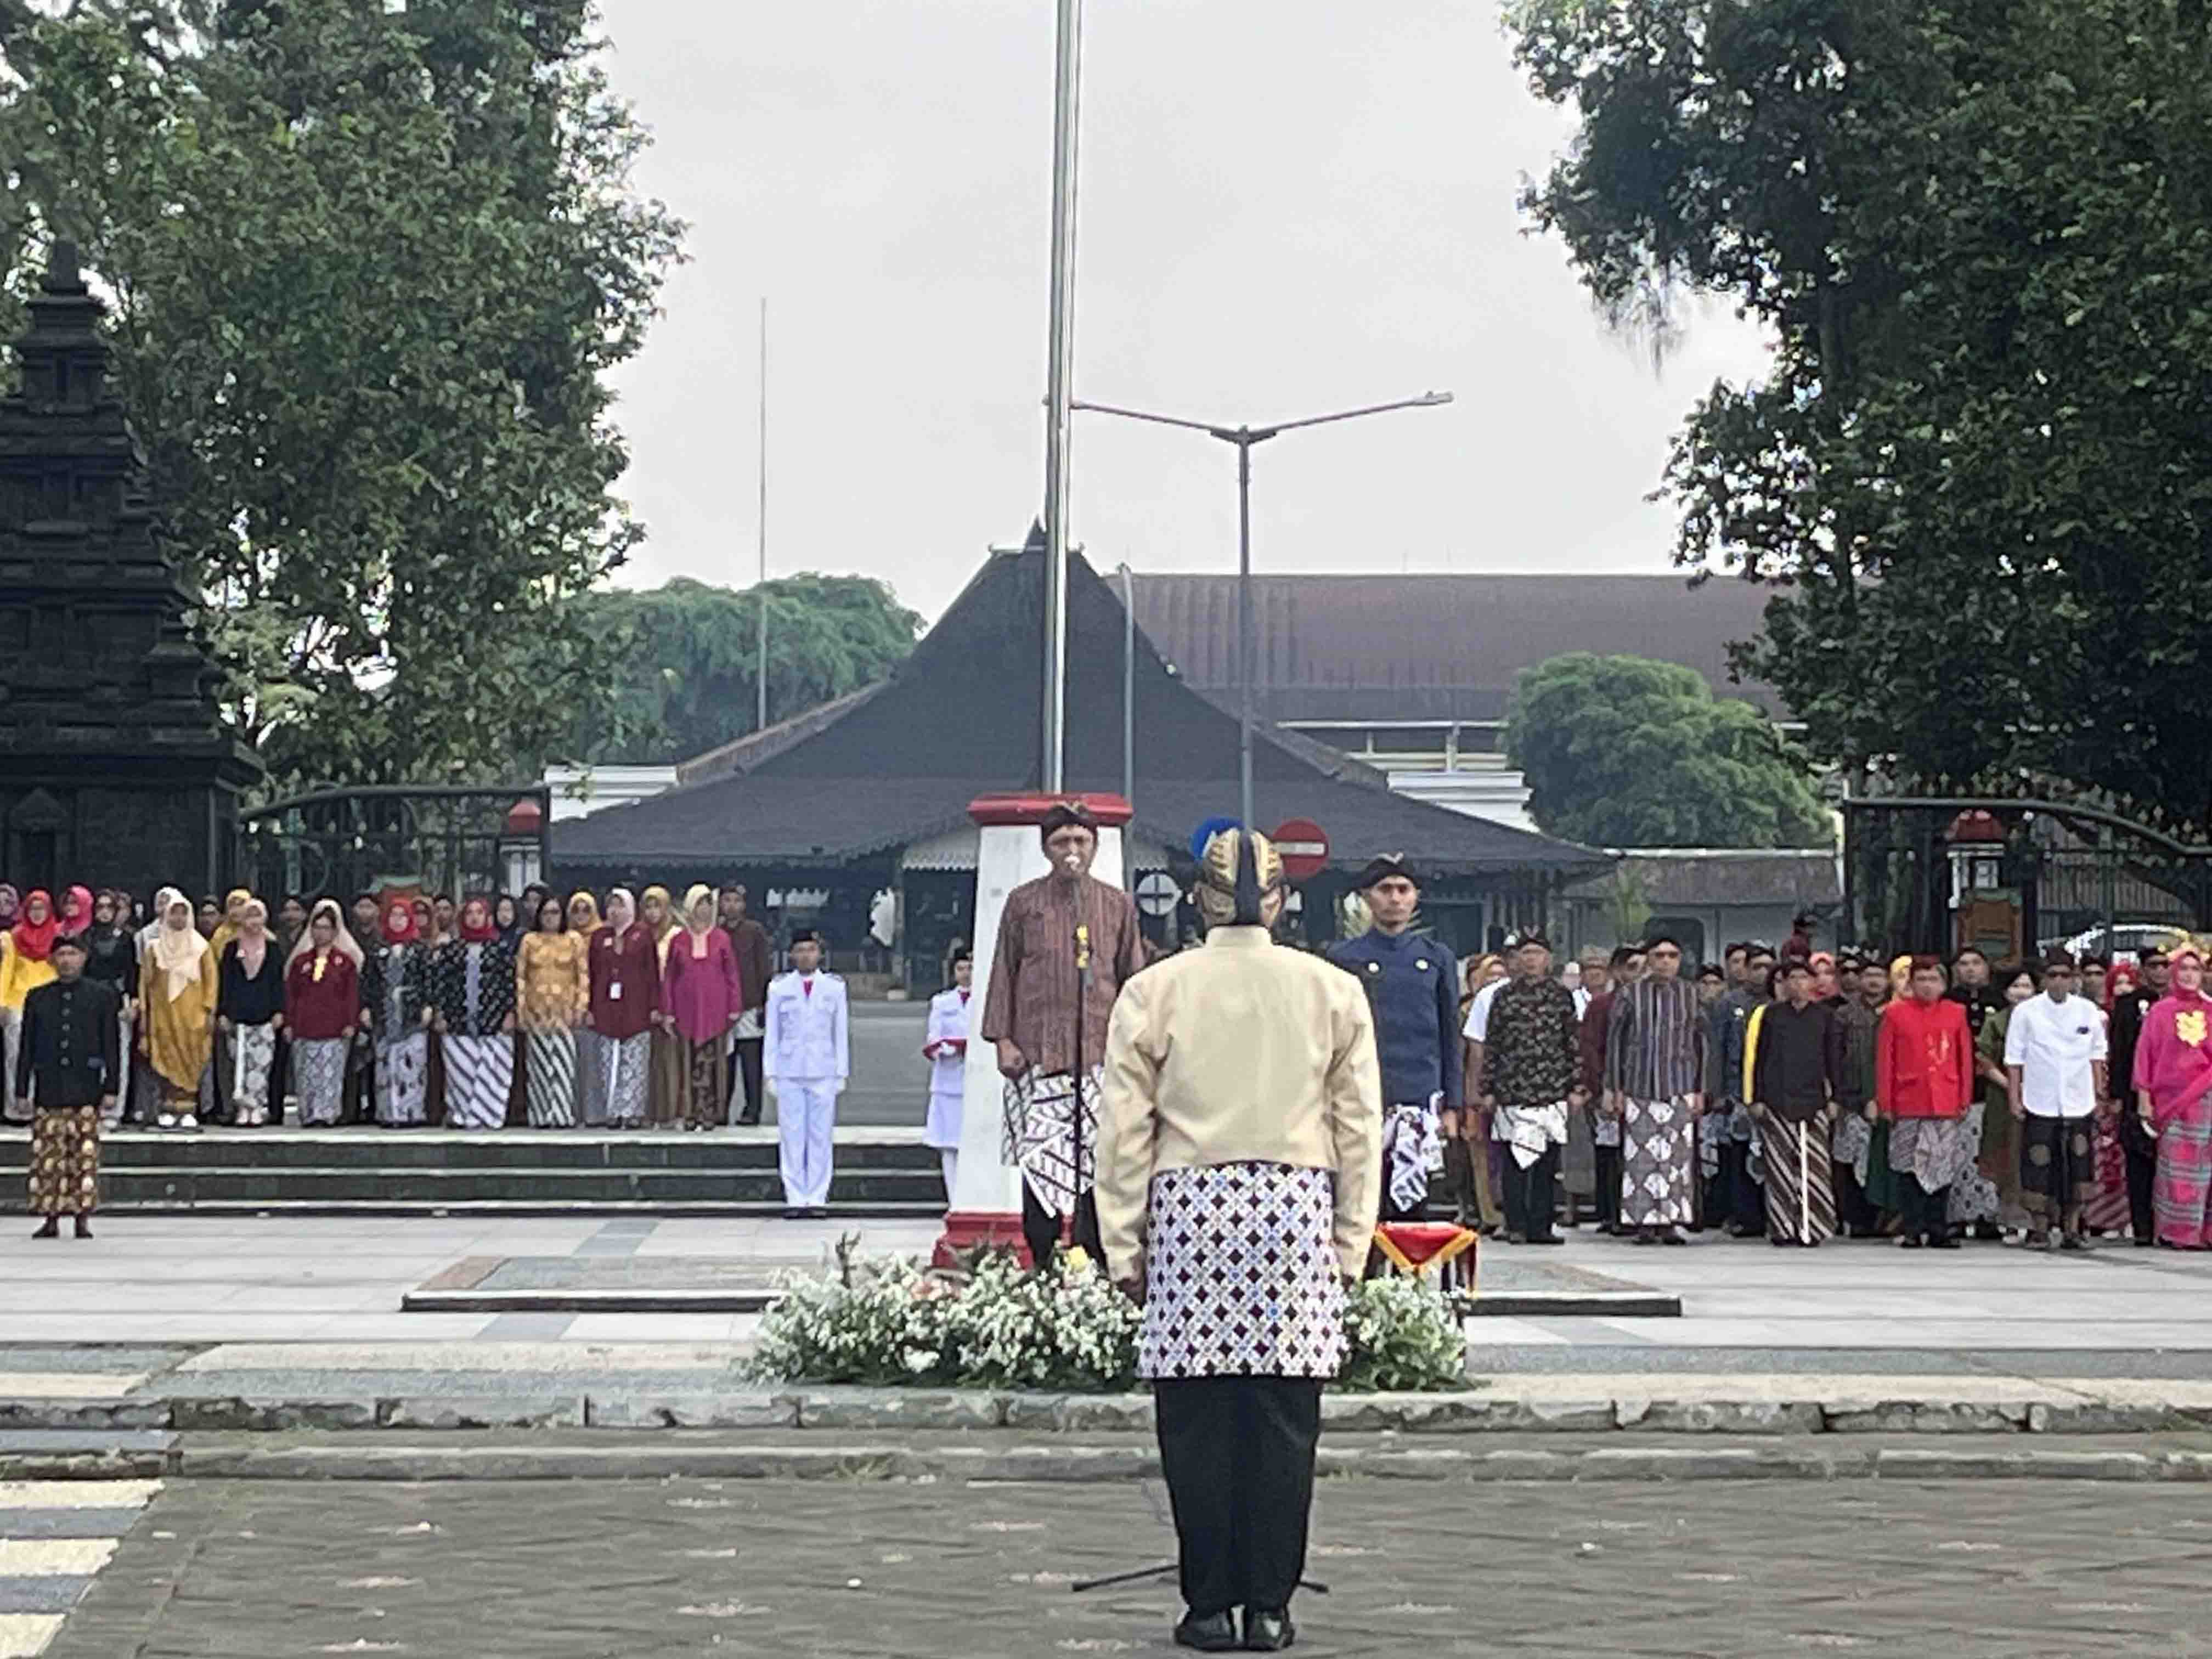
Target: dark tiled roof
point(960, 717)
point(1382, 647)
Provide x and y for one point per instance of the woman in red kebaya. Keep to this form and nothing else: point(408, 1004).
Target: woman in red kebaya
point(625, 996)
point(1923, 1080)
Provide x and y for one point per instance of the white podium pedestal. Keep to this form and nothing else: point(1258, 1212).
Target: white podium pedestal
point(986, 1203)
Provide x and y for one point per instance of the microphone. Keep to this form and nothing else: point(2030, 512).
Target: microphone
point(1082, 947)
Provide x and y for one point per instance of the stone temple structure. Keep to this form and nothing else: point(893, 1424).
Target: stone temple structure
point(116, 768)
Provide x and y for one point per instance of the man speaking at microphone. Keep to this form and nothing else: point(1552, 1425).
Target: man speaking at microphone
point(1067, 943)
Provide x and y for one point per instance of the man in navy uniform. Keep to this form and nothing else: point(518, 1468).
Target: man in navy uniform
point(1412, 987)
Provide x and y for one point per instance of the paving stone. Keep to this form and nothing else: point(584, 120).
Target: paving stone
point(1925, 1417)
point(1720, 1416)
point(693, 1411)
point(900, 1408)
point(271, 1413)
point(2100, 1417)
point(1461, 1414)
point(564, 1411)
point(93, 1414)
point(1716, 1463)
point(1937, 1462)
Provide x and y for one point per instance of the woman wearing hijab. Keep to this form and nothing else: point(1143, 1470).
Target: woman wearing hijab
point(625, 997)
point(322, 1009)
point(2174, 1091)
point(553, 989)
point(392, 1007)
point(584, 925)
point(665, 1097)
point(27, 965)
point(249, 1012)
point(112, 959)
point(177, 985)
point(77, 913)
point(234, 917)
point(701, 996)
point(1987, 1198)
point(472, 991)
point(2106, 1211)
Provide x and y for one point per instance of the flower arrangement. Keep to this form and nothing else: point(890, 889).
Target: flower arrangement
point(992, 1323)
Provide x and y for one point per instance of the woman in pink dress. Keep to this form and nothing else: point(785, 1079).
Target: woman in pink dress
point(2173, 1091)
point(700, 997)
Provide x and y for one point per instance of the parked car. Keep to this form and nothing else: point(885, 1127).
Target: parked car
point(2129, 940)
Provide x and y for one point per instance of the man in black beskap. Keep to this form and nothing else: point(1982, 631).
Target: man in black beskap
point(1799, 1057)
point(67, 1064)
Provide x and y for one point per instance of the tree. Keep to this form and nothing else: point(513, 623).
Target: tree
point(1980, 467)
point(689, 654)
point(368, 271)
point(1623, 751)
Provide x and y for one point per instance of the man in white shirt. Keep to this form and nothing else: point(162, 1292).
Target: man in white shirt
point(2055, 1054)
point(806, 1060)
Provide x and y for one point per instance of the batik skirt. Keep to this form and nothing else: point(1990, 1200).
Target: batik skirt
point(624, 1065)
point(403, 1081)
point(2181, 1195)
point(65, 1160)
point(1241, 1277)
point(479, 1071)
point(318, 1070)
point(704, 1071)
point(2057, 1166)
point(1659, 1144)
point(2106, 1210)
point(1974, 1194)
point(591, 1078)
point(551, 1061)
point(1800, 1179)
point(249, 1059)
point(1040, 1140)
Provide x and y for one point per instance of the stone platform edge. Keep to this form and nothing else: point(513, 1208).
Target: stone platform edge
point(859, 1409)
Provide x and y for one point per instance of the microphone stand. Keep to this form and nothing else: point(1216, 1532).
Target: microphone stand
point(1075, 1229)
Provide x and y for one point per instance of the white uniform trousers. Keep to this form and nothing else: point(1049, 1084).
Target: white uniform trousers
point(805, 1115)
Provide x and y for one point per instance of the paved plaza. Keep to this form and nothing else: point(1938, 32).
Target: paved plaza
point(622, 1570)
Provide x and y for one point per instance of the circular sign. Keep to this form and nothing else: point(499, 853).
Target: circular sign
point(1305, 847)
point(1158, 895)
point(1205, 833)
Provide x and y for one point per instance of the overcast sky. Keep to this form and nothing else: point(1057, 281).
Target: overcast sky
point(1288, 206)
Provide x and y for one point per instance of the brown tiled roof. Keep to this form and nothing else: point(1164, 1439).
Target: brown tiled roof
point(1382, 647)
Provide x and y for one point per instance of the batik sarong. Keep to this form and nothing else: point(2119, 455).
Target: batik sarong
point(1974, 1194)
point(1242, 1276)
point(1933, 1151)
point(249, 1058)
point(626, 1067)
point(1801, 1189)
point(1039, 1138)
point(1413, 1152)
point(319, 1069)
point(403, 1081)
point(551, 1058)
point(2106, 1211)
point(2179, 1195)
point(591, 1078)
point(1528, 1132)
point(65, 1160)
point(1658, 1149)
point(479, 1070)
point(704, 1073)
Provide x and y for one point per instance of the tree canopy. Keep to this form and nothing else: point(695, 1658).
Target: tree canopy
point(1623, 752)
point(688, 655)
point(1981, 465)
point(368, 269)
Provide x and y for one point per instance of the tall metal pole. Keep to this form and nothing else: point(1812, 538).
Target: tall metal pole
point(760, 527)
point(1059, 390)
point(1129, 695)
point(1245, 645)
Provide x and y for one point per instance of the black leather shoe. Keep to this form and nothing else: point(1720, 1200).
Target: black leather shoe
point(1267, 1632)
point(1214, 1633)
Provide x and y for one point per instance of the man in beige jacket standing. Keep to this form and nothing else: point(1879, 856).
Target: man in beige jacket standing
point(1239, 1173)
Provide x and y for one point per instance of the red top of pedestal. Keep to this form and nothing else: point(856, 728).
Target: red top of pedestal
point(991, 811)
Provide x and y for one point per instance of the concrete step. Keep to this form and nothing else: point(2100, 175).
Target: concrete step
point(508, 1150)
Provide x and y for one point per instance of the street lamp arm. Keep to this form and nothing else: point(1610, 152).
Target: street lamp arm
point(1426, 400)
point(1158, 420)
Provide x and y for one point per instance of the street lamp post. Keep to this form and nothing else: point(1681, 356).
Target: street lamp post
point(1244, 437)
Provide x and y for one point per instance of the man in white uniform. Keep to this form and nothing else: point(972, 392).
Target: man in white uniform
point(946, 1048)
point(808, 1057)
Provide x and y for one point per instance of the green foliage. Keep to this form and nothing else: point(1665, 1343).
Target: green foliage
point(1623, 752)
point(689, 656)
point(367, 271)
point(1406, 1338)
point(1982, 461)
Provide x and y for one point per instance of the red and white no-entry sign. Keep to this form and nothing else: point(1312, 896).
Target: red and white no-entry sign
point(1305, 847)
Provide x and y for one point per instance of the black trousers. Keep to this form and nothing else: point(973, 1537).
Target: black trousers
point(1531, 1195)
point(1040, 1226)
point(1747, 1197)
point(1922, 1211)
point(2143, 1169)
point(748, 1078)
point(1854, 1213)
point(1239, 1455)
point(1604, 1162)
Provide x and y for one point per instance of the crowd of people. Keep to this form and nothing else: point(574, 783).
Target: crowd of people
point(407, 1010)
point(1806, 1094)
